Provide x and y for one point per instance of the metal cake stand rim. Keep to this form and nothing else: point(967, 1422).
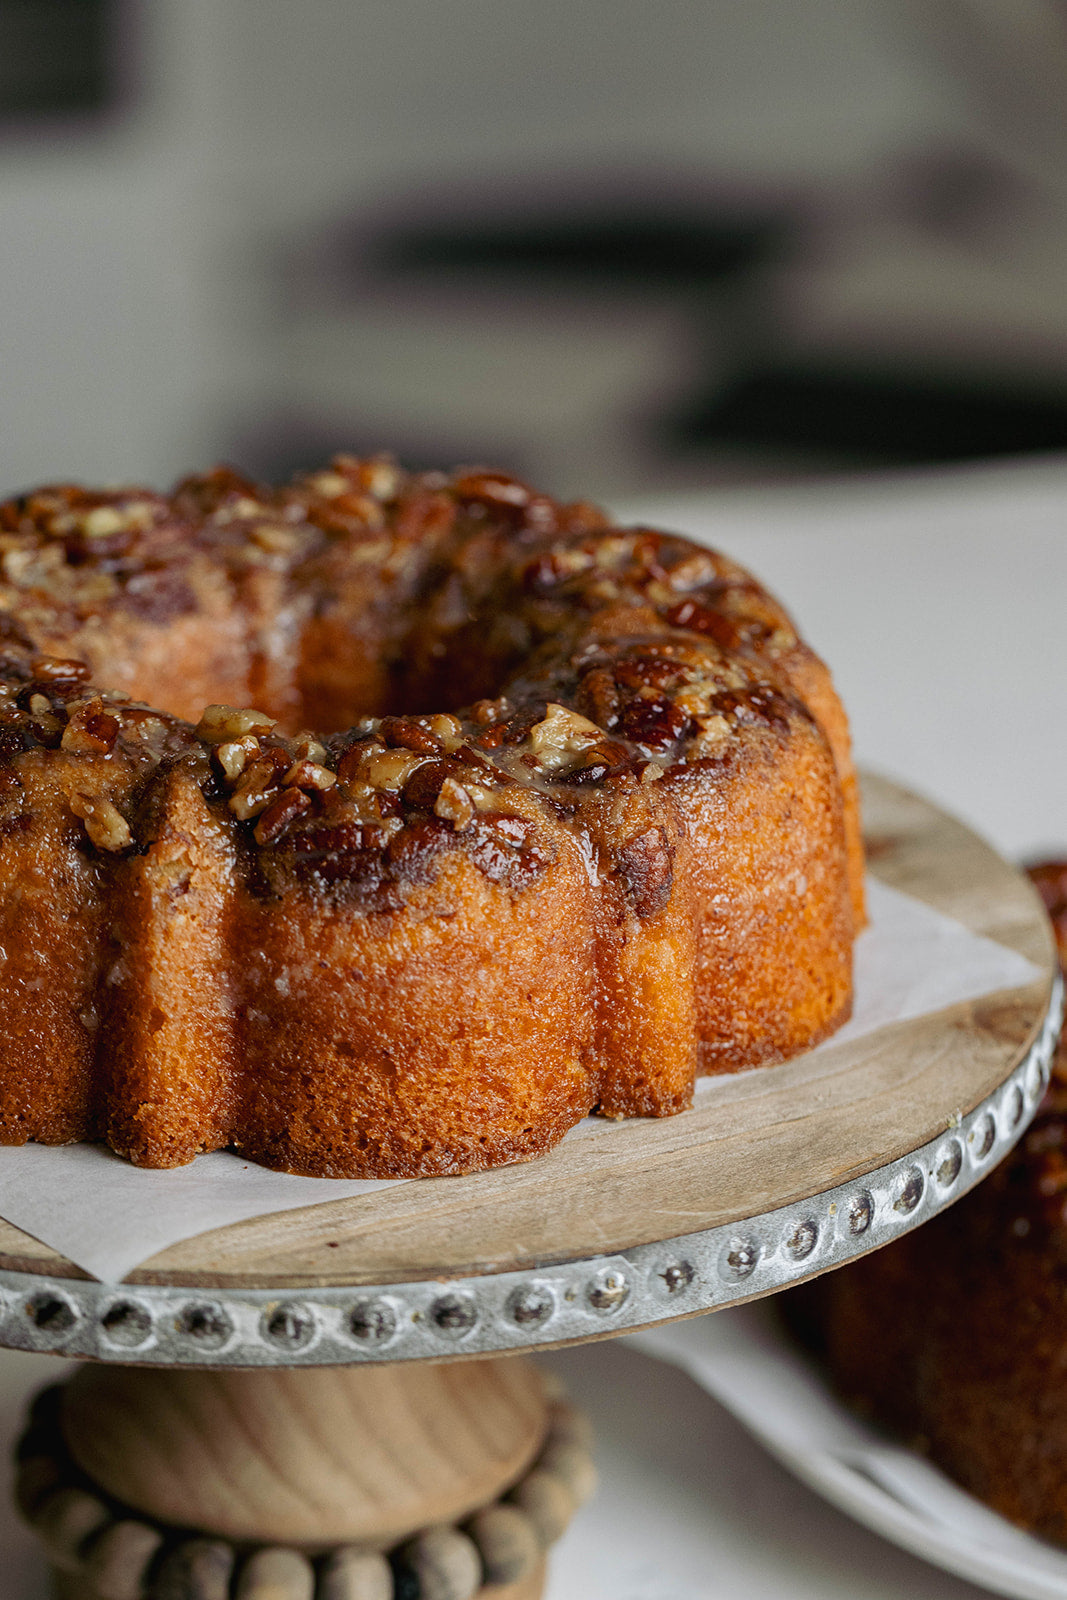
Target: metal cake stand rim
point(540, 1307)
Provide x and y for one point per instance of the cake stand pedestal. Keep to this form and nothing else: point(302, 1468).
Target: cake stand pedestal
point(774, 1176)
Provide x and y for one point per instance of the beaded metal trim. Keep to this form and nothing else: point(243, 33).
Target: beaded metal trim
point(563, 1303)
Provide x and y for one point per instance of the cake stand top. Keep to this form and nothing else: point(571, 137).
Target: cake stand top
point(775, 1175)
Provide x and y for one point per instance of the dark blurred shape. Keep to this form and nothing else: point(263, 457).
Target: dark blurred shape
point(642, 248)
point(55, 57)
point(877, 418)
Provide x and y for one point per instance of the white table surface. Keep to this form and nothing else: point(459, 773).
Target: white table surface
point(689, 1506)
point(939, 600)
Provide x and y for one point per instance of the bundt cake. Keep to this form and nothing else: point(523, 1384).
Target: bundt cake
point(577, 820)
point(955, 1336)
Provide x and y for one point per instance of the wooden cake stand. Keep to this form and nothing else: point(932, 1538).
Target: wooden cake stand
point(170, 1470)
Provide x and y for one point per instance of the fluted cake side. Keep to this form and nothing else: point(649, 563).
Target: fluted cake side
point(577, 821)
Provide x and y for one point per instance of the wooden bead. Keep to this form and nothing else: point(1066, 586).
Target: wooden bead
point(440, 1564)
point(199, 1569)
point(36, 1477)
point(45, 1406)
point(353, 1574)
point(118, 1560)
point(507, 1543)
point(547, 1502)
point(276, 1574)
point(555, 1390)
point(572, 1465)
point(39, 1440)
point(66, 1520)
point(566, 1424)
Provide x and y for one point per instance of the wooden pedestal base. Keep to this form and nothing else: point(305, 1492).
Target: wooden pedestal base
point(404, 1482)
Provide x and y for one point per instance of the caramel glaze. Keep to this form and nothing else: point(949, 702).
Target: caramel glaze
point(953, 1336)
point(578, 820)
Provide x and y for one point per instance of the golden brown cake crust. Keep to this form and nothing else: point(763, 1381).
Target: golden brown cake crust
point(576, 821)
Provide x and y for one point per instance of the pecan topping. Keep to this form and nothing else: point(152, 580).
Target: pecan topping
point(104, 823)
point(410, 733)
point(233, 756)
point(562, 735)
point(307, 748)
point(53, 669)
point(655, 722)
point(702, 619)
point(256, 792)
point(454, 804)
point(413, 851)
point(422, 788)
point(492, 489)
point(280, 813)
point(90, 729)
point(646, 869)
point(309, 775)
point(220, 723)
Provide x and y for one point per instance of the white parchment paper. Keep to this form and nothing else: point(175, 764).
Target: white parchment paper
point(108, 1217)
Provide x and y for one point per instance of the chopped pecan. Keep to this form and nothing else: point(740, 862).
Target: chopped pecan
point(760, 704)
point(505, 848)
point(379, 475)
point(45, 723)
point(645, 865)
point(307, 748)
point(90, 729)
point(389, 769)
point(655, 722)
point(232, 756)
point(259, 786)
point(275, 538)
point(517, 728)
point(598, 696)
point(56, 669)
point(647, 671)
point(220, 723)
point(495, 490)
point(702, 619)
point(488, 712)
point(309, 775)
point(328, 484)
point(599, 763)
point(280, 814)
point(422, 788)
point(350, 763)
point(454, 805)
point(340, 839)
point(448, 728)
point(410, 733)
point(413, 851)
point(104, 822)
point(554, 567)
point(102, 521)
point(561, 735)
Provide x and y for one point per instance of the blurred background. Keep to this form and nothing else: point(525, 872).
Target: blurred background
point(623, 248)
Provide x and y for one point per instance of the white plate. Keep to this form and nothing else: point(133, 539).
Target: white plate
point(745, 1360)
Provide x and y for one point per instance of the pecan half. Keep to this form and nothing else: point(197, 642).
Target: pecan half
point(279, 815)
